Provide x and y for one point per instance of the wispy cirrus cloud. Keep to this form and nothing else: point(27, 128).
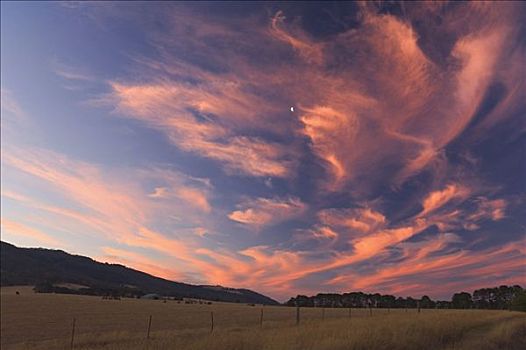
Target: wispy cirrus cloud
point(190, 116)
point(363, 220)
point(69, 72)
point(112, 205)
point(14, 228)
point(439, 198)
point(395, 106)
point(425, 262)
point(139, 261)
point(265, 211)
point(310, 51)
point(385, 115)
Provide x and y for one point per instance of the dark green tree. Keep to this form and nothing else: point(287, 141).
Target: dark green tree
point(519, 301)
point(410, 303)
point(462, 300)
point(427, 303)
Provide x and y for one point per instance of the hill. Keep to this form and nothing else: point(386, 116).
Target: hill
point(56, 270)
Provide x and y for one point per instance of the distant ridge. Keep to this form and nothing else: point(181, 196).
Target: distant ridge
point(47, 267)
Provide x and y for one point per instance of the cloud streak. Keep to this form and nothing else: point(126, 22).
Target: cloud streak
point(264, 211)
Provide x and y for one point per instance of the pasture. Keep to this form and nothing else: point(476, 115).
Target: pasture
point(45, 321)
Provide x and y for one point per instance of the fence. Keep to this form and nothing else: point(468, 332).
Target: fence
point(309, 311)
point(142, 319)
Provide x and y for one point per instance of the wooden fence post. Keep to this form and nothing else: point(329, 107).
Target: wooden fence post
point(418, 305)
point(149, 327)
point(211, 321)
point(261, 318)
point(73, 331)
point(297, 315)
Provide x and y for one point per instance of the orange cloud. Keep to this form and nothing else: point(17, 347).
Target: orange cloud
point(326, 128)
point(389, 105)
point(139, 262)
point(310, 51)
point(17, 229)
point(167, 106)
point(265, 211)
point(437, 199)
point(159, 192)
point(470, 265)
point(194, 197)
point(117, 210)
point(274, 270)
point(325, 232)
point(479, 54)
point(489, 209)
point(114, 207)
point(363, 220)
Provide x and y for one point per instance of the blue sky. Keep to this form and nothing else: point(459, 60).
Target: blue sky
point(161, 136)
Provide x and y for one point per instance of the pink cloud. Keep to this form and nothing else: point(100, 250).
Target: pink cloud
point(361, 220)
point(390, 96)
point(113, 205)
point(166, 106)
point(194, 197)
point(139, 262)
point(489, 209)
point(439, 198)
point(265, 211)
point(14, 228)
point(159, 192)
point(326, 128)
point(308, 50)
point(324, 232)
point(475, 267)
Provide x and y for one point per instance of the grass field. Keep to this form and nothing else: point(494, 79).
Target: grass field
point(44, 321)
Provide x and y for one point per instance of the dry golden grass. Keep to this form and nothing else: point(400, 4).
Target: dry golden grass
point(40, 321)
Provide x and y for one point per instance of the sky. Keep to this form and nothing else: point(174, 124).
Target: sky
point(289, 148)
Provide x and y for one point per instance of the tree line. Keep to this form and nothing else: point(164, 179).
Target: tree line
point(503, 297)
